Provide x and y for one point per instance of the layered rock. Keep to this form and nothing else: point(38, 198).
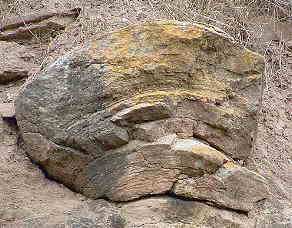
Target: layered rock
point(29, 200)
point(231, 186)
point(150, 109)
point(169, 212)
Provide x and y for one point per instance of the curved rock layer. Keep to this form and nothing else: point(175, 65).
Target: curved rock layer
point(157, 108)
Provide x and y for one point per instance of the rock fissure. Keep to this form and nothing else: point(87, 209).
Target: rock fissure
point(197, 136)
point(210, 203)
point(177, 197)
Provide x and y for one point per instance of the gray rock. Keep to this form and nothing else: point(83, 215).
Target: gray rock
point(135, 170)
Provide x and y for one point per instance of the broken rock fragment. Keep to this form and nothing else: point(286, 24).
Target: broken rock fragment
point(36, 25)
point(15, 62)
point(231, 186)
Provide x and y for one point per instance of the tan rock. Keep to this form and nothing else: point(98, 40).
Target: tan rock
point(18, 21)
point(169, 212)
point(230, 187)
point(133, 171)
point(142, 113)
point(153, 130)
point(198, 158)
point(15, 62)
point(60, 162)
point(226, 131)
point(29, 199)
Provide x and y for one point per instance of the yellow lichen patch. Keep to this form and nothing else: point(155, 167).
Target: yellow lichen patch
point(153, 96)
point(116, 44)
point(251, 58)
point(231, 111)
point(189, 32)
point(125, 64)
point(253, 77)
point(230, 165)
point(121, 47)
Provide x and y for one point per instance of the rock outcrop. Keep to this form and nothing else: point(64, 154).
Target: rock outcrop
point(164, 108)
point(193, 181)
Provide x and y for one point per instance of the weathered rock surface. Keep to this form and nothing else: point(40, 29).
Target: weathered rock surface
point(184, 87)
point(15, 62)
point(29, 200)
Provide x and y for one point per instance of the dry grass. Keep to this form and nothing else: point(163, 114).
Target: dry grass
point(233, 16)
point(99, 16)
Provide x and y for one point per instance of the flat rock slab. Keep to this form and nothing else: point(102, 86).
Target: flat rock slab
point(19, 21)
point(28, 26)
point(171, 213)
point(231, 187)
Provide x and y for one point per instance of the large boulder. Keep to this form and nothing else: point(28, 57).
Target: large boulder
point(142, 110)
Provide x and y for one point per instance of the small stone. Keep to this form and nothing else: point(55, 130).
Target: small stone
point(198, 157)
